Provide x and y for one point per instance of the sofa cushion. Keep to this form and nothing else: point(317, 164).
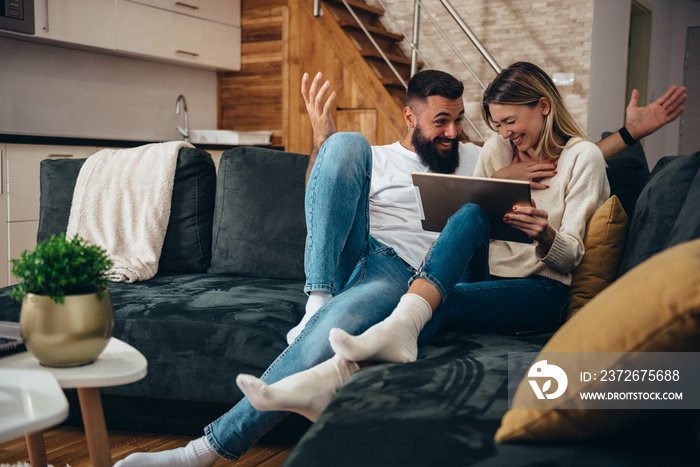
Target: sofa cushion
point(259, 227)
point(666, 212)
point(57, 179)
point(627, 177)
point(653, 308)
point(627, 173)
point(444, 409)
point(440, 410)
point(198, 331)
point(604, 243)
point(187, 244)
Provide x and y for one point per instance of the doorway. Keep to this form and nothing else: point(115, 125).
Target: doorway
point(639, 50)
point(690, 119)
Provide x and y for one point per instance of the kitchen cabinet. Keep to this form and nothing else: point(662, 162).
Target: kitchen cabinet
point(195, 33)
point(148, 31)
point(210, 10)
point(85, 22)
point(20, 193)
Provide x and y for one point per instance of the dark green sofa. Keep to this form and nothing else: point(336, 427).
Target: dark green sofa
point(230, 287)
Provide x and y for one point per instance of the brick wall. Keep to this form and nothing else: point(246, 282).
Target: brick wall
point(554, 34)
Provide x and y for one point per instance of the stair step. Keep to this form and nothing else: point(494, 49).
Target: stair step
point(391, 81)
point(373, 53)
point(373, 29)
point(358, 4)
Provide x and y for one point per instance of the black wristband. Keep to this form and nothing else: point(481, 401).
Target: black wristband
point(626, 137)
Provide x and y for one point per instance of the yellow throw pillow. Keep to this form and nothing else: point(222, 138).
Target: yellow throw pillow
point(655, 307)
point(604, 243)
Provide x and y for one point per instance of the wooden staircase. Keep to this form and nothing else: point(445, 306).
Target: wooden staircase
point(281, 40)
point(387, 41)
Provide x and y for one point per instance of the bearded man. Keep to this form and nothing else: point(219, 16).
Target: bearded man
point(360, 200)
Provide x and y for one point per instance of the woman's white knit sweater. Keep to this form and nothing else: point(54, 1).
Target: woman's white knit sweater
point(575, 192)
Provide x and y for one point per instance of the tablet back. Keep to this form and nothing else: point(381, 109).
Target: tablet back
point(440, 196)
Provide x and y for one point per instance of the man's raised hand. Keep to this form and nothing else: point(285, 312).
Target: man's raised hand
point(319, 112)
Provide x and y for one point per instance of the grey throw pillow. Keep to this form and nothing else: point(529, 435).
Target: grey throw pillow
point(259, 227)
point(187, 244)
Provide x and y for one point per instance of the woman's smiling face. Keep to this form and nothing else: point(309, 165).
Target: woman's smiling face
point(522, 124)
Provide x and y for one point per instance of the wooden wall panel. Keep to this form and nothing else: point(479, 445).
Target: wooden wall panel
point(360, 120)
point(252, 98)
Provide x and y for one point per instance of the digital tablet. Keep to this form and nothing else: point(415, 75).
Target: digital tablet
point(439, 196)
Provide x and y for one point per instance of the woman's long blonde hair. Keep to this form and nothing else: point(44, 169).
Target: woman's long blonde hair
point(524, 83)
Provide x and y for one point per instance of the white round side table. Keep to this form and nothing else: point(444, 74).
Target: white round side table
point(118, 364)
point(30, 401)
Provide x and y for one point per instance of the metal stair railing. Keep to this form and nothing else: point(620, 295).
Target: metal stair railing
point(413, 41)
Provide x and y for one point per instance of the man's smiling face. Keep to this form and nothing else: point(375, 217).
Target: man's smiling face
point(437, 125)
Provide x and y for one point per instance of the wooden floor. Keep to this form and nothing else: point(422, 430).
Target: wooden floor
point(67, 446)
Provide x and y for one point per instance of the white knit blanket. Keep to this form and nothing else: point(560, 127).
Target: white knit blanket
point(122, 202)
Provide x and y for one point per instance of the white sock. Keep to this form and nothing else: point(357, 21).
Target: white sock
point(307, 393)
point(197, 453)
point(392, 340)
point(317, 299)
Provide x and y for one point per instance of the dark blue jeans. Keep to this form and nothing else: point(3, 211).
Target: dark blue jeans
point(457, 264)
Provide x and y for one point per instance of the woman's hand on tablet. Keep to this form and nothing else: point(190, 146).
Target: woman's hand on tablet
point(533, 222)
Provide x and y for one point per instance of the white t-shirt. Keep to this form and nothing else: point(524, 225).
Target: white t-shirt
point(394, 216)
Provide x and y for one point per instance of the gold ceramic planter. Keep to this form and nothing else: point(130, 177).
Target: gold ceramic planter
point(71, 334)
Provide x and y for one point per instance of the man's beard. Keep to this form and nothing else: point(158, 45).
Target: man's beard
point(429, 155)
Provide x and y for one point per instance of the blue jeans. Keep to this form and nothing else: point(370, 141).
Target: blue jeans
point(366, 277)
point(472, 300)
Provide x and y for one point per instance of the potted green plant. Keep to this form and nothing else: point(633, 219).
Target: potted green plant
point(66, 317)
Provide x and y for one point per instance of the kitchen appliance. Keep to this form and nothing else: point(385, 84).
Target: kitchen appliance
point(17, 15)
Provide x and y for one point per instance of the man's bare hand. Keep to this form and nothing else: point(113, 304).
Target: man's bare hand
point(643, 121)
point(319, 112)
point(531, 171)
